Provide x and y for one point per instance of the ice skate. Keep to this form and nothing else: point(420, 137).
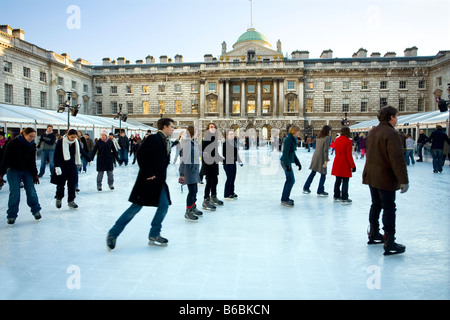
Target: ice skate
point(288, 204)
point(197, 212)
point(158, 241)
point(323, 194)
point(391, 247)
point(110, 242)
point(208, 205)
point(216, 201)
point(72, 205)
point(346, 201)
point(58, 203)
point(37, 215)
point(306, 191)
point(374, 235)
point(11, 220)
point(190, 216)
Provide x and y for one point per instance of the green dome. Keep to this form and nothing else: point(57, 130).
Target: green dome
point(252, 35)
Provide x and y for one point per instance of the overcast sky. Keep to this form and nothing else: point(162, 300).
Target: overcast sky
point(133, 29)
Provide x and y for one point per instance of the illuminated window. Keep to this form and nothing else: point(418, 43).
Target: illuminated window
point(266, 106)
point(178, 106)
point(251, 106)
point(162, 107)
point(236, 106)
point(145, 107)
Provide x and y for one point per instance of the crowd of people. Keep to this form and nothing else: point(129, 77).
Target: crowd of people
point(387, 153)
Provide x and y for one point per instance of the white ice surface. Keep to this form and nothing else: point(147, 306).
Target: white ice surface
point(252, 248)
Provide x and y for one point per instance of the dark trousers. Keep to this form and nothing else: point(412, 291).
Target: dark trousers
point(230, 170)
point(192, 195)
point(338, 194)
point(383, 199)
point(69, 175)
point(211, 185)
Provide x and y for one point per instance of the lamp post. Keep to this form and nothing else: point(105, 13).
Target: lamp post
point(70, 109)
point(121, 117)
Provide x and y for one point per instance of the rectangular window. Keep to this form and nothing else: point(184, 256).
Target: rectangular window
point(98, 90)
point(26, 72)
point(178, 106)
point(211, 86)
point(291, 105)
point(364, 85)
point(236, 106)
point(383, 85)
point(113, 107)
point(309, 105)
point(145, 89)
point(60, 99)
point(130, 107)
point(402, 84)
point(383, 102)
point(310, 85)
point(251, 106)
point(236, 89)
point(161, 88)
point(291, 85)
point(401, 104)
point(129, 89)
point(422, 84)
point(7, 67)
point(194, 106)
point(177, 88)
point(266, 88)
point(266, 106)
point(27, 96)
point(145, 107)
point(42, 76)
point(421, 105)
point(61, 81)
point(114, 90)
point(8, 93)
point(162, 107)
point(74, 85)
point(43, 99)
point(212, 105)
point(85, 88)
point(345, 105)
point(346, 85)
point(328, 86)
point(194, 87)
point(364, 104)
point(251, 88)
point(99, 108)
point(327, 105)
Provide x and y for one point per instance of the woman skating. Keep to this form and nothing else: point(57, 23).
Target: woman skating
point(106, 153)
point(289, 157)
point(319, 162)
point(19, 164)
point(230, 152)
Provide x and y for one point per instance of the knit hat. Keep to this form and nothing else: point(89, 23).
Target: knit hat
point(105, 132)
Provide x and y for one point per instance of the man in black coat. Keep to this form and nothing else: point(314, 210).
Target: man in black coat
point(437, 138)
point(150, 189)
point(422, 138)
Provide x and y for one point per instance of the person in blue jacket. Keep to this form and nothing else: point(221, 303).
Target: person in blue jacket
point(287, 158)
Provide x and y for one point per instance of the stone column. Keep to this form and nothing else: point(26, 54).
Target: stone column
point(301, 99)
point(258, 98)
point(281, 93)
point(202, 98)
point(243, 102)
point(220, 98)
point(227, 98)
point(275, 97)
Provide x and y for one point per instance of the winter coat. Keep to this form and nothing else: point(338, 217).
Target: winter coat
point(437, 139)
point(19, 155)
point(190, 161)
point(289, 147)
point(210, 155)
point(106, 153)
point(153, 160)
point(68, 167)
point(124, 143)
point(343, 160)
point(385, 166)
point(362, 142)
point(48, 141)
point(230, 152)
point(320, 155)
point(422, 138)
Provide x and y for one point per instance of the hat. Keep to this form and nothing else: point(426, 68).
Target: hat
point(105, 132)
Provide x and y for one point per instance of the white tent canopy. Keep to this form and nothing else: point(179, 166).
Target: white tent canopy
point(12, 116)
point(421, 120)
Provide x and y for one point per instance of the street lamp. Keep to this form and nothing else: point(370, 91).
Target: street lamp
point(70, 109)
point(121, 116)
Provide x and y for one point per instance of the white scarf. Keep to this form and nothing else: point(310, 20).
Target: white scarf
point(66, 152)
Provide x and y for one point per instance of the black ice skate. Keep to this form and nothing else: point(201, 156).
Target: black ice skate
point(110, 242)
point(197, 212)
point(216, 201)
point(158, 241)
point(391, 247)
point(72, 205)
point(190, 216)
point(374, 235)
point(208, 205)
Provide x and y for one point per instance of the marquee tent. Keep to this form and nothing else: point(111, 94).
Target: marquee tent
point(12, 116)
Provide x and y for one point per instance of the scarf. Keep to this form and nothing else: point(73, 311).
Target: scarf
point(166, 140)
point(2, 142)
point(66, 153)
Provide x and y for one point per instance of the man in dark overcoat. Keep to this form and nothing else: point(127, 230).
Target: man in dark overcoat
point(385, 172)
point(150, 189)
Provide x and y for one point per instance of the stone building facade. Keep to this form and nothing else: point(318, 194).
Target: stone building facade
point(251, 86)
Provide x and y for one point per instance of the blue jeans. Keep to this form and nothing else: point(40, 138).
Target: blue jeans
point(129, 214)
point(14, 178)
point(409, 154)
point(123, 156)
point(290, 180)
point(438, 159)
point(308, 182)
point(47, 155)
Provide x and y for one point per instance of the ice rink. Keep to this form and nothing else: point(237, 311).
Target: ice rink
point(251, 248)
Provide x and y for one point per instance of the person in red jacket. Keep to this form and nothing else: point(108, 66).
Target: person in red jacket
point(343, 166)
